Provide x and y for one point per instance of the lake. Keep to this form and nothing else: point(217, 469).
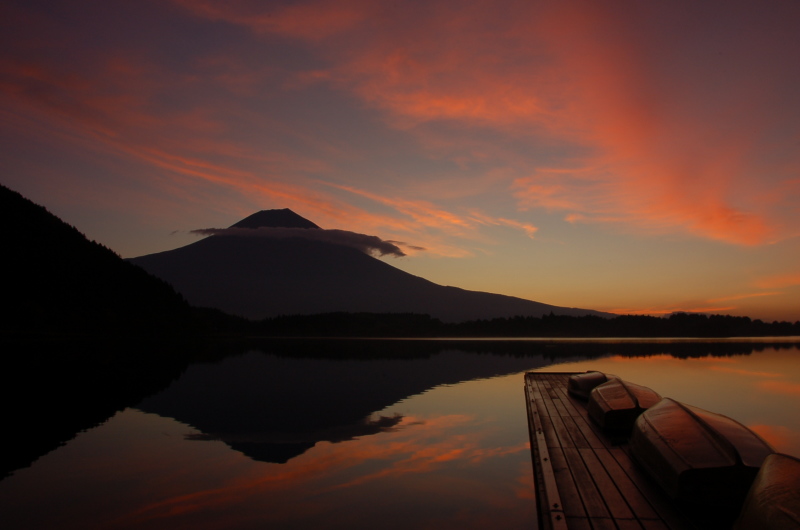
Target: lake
point(403, 434)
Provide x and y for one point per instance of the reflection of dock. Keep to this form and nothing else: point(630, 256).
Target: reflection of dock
point(584, 479)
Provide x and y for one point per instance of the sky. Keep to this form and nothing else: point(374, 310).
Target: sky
point(636, 157)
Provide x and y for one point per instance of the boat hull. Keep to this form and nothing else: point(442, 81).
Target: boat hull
point(773, 502)
point(615, 405)
point(698, 457)
point(581, 385)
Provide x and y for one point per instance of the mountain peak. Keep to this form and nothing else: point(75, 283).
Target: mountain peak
point(284, 218)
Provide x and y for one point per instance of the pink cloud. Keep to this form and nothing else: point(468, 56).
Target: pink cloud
point(611, 115)
point(422, 212)
point(114, 107)
point(481, 218)
point(662, 149)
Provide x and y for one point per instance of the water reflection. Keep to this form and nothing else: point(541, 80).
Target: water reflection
point(274, 408)
point(458, 457)
point(434, 439)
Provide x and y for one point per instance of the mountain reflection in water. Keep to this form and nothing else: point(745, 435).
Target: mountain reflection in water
point(274, 408)
point(324, 435)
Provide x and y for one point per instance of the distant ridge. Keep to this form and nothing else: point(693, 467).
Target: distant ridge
point(284, 218)
point(261, 277)
point(57, 281)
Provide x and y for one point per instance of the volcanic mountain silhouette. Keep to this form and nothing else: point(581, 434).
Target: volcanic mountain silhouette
point(275, 262)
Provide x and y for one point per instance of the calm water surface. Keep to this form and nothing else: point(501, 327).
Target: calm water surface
point(260, 440)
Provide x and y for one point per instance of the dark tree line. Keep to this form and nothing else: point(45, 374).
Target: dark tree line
point(414, 325)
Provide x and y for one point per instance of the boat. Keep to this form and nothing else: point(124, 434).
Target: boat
point(698, 457)
point(581, 385)
point(773, 502)
point(615, 405)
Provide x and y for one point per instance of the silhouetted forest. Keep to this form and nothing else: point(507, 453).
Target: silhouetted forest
point(412, 325)
point(56, 281)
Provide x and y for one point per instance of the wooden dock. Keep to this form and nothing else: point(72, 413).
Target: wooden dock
point(585, 480)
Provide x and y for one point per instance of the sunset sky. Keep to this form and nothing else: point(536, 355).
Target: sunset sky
point(627, 156)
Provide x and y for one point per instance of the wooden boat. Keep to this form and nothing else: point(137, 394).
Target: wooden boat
point(773, 502)
point(616, 404)
point(581, 385)
point(698, 457)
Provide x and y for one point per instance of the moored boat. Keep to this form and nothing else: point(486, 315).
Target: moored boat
point(616, 404)
point(581, 385)
point(773, 502)
point(699, 457)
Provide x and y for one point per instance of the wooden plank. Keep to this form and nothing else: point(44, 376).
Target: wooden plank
point(592, 500)
point(568, 489)
point(561, 432)
point(570, 498)
point(602, 523)
point(561, 410)
point(578, 523)
point(577, 409)
point(606, 486)
point(550, 504)
point(549, 430)
point(635, 499)
point(575, 432)
point(628, 524)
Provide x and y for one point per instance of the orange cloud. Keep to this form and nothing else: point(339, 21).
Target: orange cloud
point(653, 172)
point(571, 107)
point(423, 212)
point(656, 156)
point(744, 296)
point(425, 215)
point(112, 109)
point(484, 219)
point(779, 281)
point(533, 193)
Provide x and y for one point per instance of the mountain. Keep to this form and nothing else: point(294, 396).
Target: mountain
point(284, 218)
point(57, 281)
point(275, 262)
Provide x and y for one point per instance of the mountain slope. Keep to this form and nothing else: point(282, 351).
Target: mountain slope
point(260, 277)
point(56, 280)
